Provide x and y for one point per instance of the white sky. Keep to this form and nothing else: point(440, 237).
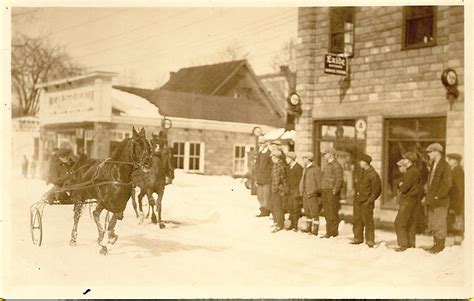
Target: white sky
point(148, 43)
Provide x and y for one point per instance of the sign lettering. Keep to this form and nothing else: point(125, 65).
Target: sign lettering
point(335, 64)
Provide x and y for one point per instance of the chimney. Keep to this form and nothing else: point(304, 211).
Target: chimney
point(172, 74)
point(284, 70)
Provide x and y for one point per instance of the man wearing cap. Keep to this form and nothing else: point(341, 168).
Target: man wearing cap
point(331, 185)
point(310, 189)
point(408, 187)
point(437, 196)
point(367, 190)
point(263, 170)
point(279, 189)
point(456, 198)
point(295, 172)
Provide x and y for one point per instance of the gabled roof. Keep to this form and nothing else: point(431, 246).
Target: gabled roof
point(202, 79)
point(207, 107)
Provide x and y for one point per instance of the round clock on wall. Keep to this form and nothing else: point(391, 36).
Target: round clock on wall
point(449, 78)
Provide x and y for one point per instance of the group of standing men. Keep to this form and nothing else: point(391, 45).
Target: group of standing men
point(442, 194)
point(282, 183)
point(281, 180)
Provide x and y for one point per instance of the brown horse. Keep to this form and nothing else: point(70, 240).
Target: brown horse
point(110, 183)
point(160, 173)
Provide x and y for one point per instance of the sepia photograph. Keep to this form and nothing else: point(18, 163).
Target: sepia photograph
point(232, 149)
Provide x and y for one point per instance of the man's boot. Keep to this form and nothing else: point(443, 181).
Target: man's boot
point(308, 227)
point(315, 228)
point(262, 212)
point(435, 244)
point(439, 246)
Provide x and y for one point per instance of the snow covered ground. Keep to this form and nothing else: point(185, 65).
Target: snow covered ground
point(213, 246)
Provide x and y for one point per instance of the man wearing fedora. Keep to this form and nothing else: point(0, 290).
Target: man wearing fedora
point(367, 190)
point(437, 196)
point(456, 198)
point(310, 189)
point(263, 170)
point(331, 185)
point(408, 187)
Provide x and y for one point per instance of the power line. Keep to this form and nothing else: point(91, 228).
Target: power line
point(133, 29)
point(186, 45)
point(89, 22)
point(136, 41)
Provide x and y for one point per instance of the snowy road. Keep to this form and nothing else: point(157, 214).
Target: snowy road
point(213, 246)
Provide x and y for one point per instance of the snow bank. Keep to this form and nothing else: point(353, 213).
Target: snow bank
point(133, 105)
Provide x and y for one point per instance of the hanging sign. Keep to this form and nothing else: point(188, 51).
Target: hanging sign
point(335, 64)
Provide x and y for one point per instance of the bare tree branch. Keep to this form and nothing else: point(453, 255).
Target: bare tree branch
point(36, 60)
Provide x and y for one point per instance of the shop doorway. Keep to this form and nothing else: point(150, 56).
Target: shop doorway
point(349, 144)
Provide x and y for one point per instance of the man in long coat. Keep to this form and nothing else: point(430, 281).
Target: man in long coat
point(310, 189)
point(367, 190)
point(331, 186)
point(279, 189)
point(456, 197)
point(263, 170)
point(437, 196)
point(405, 222)
point(295, 171)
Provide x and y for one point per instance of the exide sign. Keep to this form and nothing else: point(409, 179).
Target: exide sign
point(335, 64)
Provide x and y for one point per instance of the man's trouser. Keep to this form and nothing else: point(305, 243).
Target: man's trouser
point(311, 207)
point(331, 211)
point(405, 223)
point(263, 196)
point(294, 207)
point(437, 221)
point(277, 209)
point(363, 216)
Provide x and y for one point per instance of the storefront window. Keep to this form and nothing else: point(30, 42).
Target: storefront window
point(401, 136)
point(349, 144)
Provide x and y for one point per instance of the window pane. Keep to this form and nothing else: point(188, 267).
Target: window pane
point(432, 128)
point(402, 128)
point(328, 131)
point(197, 149)
point(337, 45)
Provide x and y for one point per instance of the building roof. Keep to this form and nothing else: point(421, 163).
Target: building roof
point(202, 79)
point(128, 104)
point(207, 107)
point(76, 78)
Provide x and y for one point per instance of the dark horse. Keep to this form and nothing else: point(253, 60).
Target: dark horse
point(110, 183)
point(154, 180)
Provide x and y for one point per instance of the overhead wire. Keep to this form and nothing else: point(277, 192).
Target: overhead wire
point(133, 29)
point(88, 22)
point(214, 40)
point(140, 40)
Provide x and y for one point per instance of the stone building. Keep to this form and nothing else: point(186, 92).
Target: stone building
point(392, 98)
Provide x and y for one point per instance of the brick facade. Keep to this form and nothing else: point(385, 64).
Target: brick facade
point(386, 81)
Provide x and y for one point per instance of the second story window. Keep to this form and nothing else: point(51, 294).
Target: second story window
point(419, 26)
point(341, 38)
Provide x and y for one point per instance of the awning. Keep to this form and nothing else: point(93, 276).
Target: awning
point(280, 134)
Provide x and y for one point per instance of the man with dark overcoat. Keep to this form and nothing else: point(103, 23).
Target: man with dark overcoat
point(437, 196)
point(408, 187)
point(310, 190)
point(456, 198)
point(367, 190)
point(263, 170)
point(279, 189)
point(331, 185)
point(295, 171)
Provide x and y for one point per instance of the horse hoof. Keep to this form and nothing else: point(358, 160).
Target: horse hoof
point(113, 239)
point(72, 243)
point(162, 226)
point(104, 251)
point(154, 220)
